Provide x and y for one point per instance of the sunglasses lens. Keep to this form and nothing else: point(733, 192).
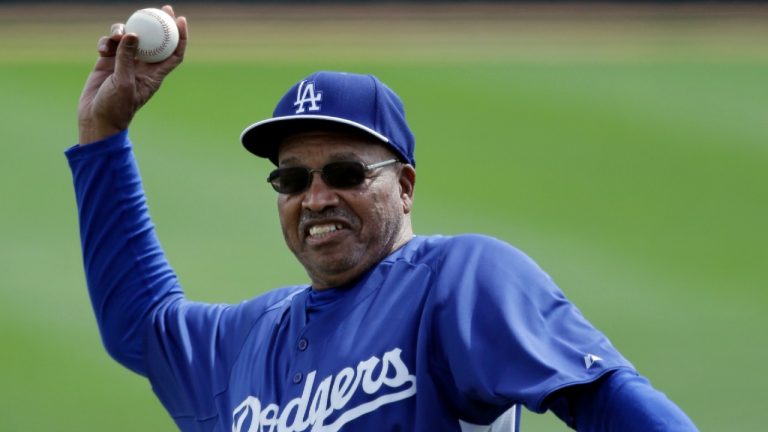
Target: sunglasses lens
point(289, 180)
point(340, 175)
point(344, 175)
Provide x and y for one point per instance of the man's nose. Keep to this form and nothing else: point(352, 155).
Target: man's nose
point(319, 195)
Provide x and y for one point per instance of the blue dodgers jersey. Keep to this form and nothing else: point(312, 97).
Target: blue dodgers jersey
point(445, 333)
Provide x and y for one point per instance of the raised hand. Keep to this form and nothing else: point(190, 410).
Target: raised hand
point(120, 85)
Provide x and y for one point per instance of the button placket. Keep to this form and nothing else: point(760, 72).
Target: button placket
point(302, 344)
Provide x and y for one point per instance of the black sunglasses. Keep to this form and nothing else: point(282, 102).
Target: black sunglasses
point(338, 175)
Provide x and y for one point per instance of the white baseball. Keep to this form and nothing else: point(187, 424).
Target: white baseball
point(158, 34)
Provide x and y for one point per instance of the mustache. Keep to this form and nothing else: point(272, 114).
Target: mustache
point(309, 216)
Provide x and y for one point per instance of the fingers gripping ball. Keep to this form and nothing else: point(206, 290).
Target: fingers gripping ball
point(158, 34)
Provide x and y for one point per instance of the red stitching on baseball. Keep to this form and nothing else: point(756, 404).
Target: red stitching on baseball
point(166, 36)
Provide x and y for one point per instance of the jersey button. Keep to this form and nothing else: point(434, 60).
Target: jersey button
point(303, 344)
point(297, 377)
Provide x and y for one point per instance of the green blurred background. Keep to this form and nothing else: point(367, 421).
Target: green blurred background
point(623, 147)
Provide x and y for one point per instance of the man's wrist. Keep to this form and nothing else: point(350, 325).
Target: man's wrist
point(90, 134)
point(98, 138)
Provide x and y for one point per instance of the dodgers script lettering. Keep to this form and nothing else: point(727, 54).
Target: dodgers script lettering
point(387, 379)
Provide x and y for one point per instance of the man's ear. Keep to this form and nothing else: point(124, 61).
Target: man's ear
point(407, 184)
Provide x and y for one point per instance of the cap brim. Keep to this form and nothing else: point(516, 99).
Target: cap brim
point(264, 137)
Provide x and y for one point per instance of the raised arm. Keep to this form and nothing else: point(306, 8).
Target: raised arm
point(127, 273)
point(119, 85)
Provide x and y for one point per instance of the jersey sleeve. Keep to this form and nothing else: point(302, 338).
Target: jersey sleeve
point(145, 322)
point(507, 333)
point(126, 270)
point(620, 401)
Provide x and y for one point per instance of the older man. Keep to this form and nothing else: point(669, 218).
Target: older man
point(395, 332)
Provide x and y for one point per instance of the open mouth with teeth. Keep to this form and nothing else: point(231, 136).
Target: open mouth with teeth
point(320, 231)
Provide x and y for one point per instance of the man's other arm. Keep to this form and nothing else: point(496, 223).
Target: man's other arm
point(621, 401)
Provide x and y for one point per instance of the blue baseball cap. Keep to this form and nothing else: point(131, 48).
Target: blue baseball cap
point(334, 100)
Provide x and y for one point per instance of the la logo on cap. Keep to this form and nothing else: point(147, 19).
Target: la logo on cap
point(305, 93)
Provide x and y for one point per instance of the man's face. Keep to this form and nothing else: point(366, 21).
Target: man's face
point(337, 234)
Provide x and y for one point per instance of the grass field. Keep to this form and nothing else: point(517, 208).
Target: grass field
point(623, 148)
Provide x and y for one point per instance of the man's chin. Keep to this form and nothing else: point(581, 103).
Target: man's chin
point(330, 269)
